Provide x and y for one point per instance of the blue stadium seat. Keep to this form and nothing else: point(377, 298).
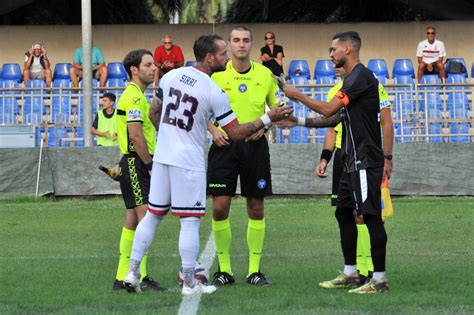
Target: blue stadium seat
point(12, 71)
point(379, 67)
point(299, 68)
point(460, 132)
point(472, 70)
point(448, 65)
point(116, 70)
point(324, 68)
point(404, 97)
point(61, 100)
point(8, 109)
point(403, 67)
point(382, 80)
point(61, 71)
point(430, 79)
point(114, 83)
point(435, 132)
point(322, 92)
point(300, 81)
point(32, 107)
point(190, 63)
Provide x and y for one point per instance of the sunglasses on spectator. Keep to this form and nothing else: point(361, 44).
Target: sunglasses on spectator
point(168, 42)
point(430, 33)
point(269, 37)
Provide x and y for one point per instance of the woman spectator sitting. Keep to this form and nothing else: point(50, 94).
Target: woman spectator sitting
point(272, 55)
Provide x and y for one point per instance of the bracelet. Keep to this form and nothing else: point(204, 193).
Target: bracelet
point(326, 155)
point(301, 121)
point(265, 119)
point(149, 165)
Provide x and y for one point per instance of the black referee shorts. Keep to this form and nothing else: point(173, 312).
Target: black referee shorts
point(337, 169)
point(134, 181)
point(360, 190)
point(250, 160)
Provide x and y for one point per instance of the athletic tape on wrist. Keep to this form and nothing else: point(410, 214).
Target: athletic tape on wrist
point(265, 119)
point(301, 121)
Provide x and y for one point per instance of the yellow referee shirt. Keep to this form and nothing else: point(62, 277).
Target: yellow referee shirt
point(133, 108)
point(248, 92)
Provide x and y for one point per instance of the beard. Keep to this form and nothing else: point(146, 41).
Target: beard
point(339, 63)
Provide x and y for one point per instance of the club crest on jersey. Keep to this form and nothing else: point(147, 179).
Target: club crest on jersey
point(243, 88)
point(261, 183)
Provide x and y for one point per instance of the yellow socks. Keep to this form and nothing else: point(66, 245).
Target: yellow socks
point(255, 238)
point(364, 257)
point(222, 239)
point(126, 242)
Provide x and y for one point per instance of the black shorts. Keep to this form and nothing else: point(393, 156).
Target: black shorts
point(360, 190)
point(435, 69)
point(337, 169)
point(250, 160)
point(134, 181)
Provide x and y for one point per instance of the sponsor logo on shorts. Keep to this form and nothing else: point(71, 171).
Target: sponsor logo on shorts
point(217, 185)
point(198, 204)
point(243, 88)
point(261, 183)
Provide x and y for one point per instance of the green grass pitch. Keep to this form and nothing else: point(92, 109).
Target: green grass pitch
point(61, 256)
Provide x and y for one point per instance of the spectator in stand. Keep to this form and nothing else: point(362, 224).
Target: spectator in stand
point(167, 57)
point(272, 55)
point(99, 68)
point(202, 19)
point(37, 65)
point(104, 126)
point(430, 55)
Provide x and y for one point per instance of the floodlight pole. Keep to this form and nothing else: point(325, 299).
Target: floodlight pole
point(87, 70)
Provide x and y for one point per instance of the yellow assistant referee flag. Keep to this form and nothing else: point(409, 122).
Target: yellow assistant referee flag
point(387, 209)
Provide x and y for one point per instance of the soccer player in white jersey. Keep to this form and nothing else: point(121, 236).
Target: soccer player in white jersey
point(178, 180)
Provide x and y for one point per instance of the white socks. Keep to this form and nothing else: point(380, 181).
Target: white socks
point(349, 270)
point(144, 235)
point(189, 247)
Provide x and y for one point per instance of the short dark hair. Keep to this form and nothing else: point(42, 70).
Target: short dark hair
point(110, 96)
point(349, 36)
point(134, 58)
point(241, 28)
point(205, 44)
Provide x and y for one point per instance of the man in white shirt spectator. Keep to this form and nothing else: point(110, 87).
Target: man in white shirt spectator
point(37, 65)
point(430, 55)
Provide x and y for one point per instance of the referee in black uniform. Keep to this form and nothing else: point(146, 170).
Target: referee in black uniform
point(364, 162)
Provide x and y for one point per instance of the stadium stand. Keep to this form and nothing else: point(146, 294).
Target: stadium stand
point(61, 71)
point(379, 67)
point(421, 113)
point(403, 67)
point(451, 70)
point(116, 70)
point(299, 68)
point(12, 71)
point(324, 68)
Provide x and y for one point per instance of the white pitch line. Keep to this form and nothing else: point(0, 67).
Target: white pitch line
point(190, 304)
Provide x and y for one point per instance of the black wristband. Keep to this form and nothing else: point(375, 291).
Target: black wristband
point(326, 155)
point(149, 165)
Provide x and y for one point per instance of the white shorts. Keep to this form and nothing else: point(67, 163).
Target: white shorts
point(182, 190)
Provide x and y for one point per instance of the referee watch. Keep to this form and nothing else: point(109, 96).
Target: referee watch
point(388, 157)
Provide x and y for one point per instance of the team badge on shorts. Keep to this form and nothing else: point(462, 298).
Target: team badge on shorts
point(261, 183)
point(243, 88)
